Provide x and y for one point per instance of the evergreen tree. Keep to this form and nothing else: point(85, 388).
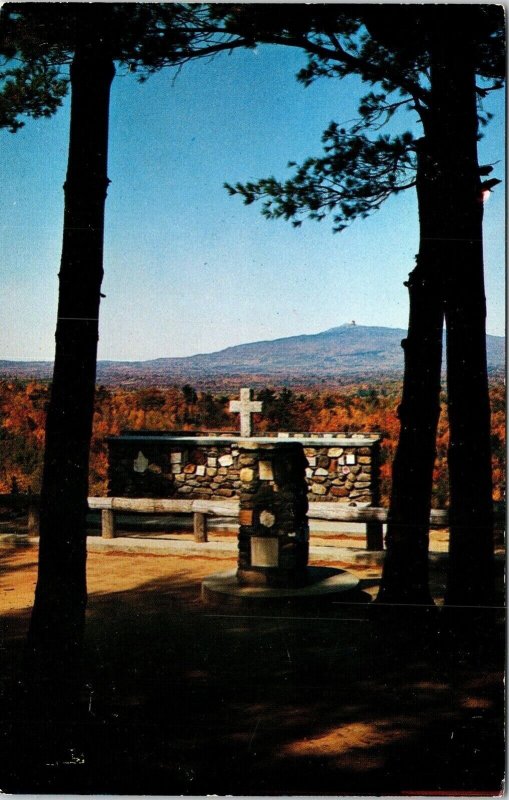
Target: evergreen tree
point(428, 64)
point(92, 38)
point(33, 88)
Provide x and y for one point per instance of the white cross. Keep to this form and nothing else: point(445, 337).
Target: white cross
point(245, 407)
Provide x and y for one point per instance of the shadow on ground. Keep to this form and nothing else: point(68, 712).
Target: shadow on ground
point(345, 698)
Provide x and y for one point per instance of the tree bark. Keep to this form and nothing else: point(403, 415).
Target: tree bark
point(450, 262)
point(471, 561)
point(61, 595)
point(405, 571)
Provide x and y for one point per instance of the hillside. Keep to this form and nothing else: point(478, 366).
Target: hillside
point(342, 353)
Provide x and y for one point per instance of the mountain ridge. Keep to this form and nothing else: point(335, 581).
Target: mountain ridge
point(341, 352)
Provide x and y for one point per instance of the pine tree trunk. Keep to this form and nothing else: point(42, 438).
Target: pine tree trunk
point(405, 572)
point(451, 260)
point(60, 600)
point(470, 574)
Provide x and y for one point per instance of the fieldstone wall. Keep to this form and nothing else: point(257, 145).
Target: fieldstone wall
point(340, 468)
point(341, 473)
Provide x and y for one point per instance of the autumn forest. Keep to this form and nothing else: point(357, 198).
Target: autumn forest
point(353, 407)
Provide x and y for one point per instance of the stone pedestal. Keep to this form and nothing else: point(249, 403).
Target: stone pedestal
point(274, 532)
point(274, 535)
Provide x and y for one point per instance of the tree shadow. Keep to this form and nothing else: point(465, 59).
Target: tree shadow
point(8, 562)
point(183, 698)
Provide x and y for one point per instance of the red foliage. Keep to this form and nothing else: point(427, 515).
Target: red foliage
point(357, 407)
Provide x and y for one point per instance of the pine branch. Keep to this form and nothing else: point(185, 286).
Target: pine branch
point(354, 177)
point(34, 90)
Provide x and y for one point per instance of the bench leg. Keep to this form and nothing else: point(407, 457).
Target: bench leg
point(107, 523)
point(374, 536)
point(33, 520)
point(200, 527)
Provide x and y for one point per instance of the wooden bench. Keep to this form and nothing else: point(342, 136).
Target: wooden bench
point(200, 509)
point(373, 518)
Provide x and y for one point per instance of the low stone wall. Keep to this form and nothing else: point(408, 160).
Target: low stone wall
point(342, 468)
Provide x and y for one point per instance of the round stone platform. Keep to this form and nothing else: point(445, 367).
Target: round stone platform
point(223, 587)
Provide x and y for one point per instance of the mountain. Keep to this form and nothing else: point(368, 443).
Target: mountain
point(346, 352)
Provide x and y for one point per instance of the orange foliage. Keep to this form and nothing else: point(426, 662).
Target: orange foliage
point(357, 407)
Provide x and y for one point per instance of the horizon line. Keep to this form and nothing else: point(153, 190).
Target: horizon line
point(353, 324)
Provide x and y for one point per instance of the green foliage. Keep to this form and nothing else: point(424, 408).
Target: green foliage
point(20, 461)
point(279, 410)
point(211, 411)
point(34, 90)
point(354, 177)
point(151, 399)
point(38, 41)
point(358, 171)
point(189, 393)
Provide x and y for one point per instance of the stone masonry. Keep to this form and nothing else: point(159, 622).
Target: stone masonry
point(273, 527)
point(341, 467)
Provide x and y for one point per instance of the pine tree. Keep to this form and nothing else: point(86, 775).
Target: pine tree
point(427, 64)
point(92, 38)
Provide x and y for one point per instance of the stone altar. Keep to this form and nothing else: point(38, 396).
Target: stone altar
point(273, 538)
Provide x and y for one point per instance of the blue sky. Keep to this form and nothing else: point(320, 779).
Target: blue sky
point(187, 268)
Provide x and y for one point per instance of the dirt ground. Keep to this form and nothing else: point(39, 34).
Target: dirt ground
point(108, 574)
point(184, 698)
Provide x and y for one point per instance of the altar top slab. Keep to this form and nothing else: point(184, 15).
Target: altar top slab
point(307, 440)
